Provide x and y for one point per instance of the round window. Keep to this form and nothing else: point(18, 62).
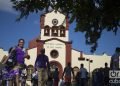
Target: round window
point(55, 22)
point(54, 53)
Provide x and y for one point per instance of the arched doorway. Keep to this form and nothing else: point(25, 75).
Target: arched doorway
point(54, 64)
point(76, 70)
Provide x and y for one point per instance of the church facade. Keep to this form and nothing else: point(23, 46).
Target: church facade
point(54, 38)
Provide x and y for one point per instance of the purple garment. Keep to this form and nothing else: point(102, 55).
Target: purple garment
point(8, 75)
point(11, 74)
point(14, 72)
point(20, 55)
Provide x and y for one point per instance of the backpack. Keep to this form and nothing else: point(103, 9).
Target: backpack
point(12, 59)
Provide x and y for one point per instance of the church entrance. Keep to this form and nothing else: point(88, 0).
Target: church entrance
point(55, 64)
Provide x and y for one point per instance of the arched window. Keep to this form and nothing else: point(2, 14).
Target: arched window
point(47, 31)
point(54, 54)
point(62, 31)
point(54, 31)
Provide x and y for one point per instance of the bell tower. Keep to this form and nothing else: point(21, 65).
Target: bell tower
point(54, 25)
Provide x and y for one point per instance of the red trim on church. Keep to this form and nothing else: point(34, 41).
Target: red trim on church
point(67, 23)
point(39, 45)
point(32, 44)
point(36, 43)
point(81, 56)
point(68, 52)
point(42, 20)
point(59, 67)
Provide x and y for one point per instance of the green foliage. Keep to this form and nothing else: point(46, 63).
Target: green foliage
point(91, 16)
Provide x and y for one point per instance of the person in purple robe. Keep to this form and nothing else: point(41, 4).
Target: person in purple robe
point(21, 54)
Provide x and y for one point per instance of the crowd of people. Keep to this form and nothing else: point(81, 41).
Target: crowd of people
point(14, 72)
point(101, 76)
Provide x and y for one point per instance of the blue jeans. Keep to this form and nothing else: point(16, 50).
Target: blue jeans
point(83, 82)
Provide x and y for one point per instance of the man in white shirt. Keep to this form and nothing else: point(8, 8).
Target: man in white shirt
point(83, 75)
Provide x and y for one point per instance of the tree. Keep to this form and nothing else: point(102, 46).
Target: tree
point(91, 16)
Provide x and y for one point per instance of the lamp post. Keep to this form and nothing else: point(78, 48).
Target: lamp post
point(89, 61)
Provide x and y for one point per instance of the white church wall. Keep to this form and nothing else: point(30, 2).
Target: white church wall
point(60, 47)
point(33, 54)
point(98, 60)
point(75, 61)
point(75, 55)
point(2, 53)
point(55, 15)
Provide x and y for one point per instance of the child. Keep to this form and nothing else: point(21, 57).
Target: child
point(50, 80)
point(61, 82)
point(35, 78)
point(56, 77)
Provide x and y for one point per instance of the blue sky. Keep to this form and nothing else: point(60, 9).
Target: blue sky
point(11, 31)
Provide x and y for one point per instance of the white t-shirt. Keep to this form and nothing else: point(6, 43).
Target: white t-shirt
point(83, 73)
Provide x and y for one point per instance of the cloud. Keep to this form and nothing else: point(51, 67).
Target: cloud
point(6, 5)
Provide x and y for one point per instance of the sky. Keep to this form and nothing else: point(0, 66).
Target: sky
point(11, 31)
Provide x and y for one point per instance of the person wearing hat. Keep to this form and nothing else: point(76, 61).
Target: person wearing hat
point(43, 67)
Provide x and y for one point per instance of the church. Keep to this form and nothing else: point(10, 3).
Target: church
point(54, 37)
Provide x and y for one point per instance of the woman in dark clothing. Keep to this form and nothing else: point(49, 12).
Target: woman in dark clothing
point(56, 77)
